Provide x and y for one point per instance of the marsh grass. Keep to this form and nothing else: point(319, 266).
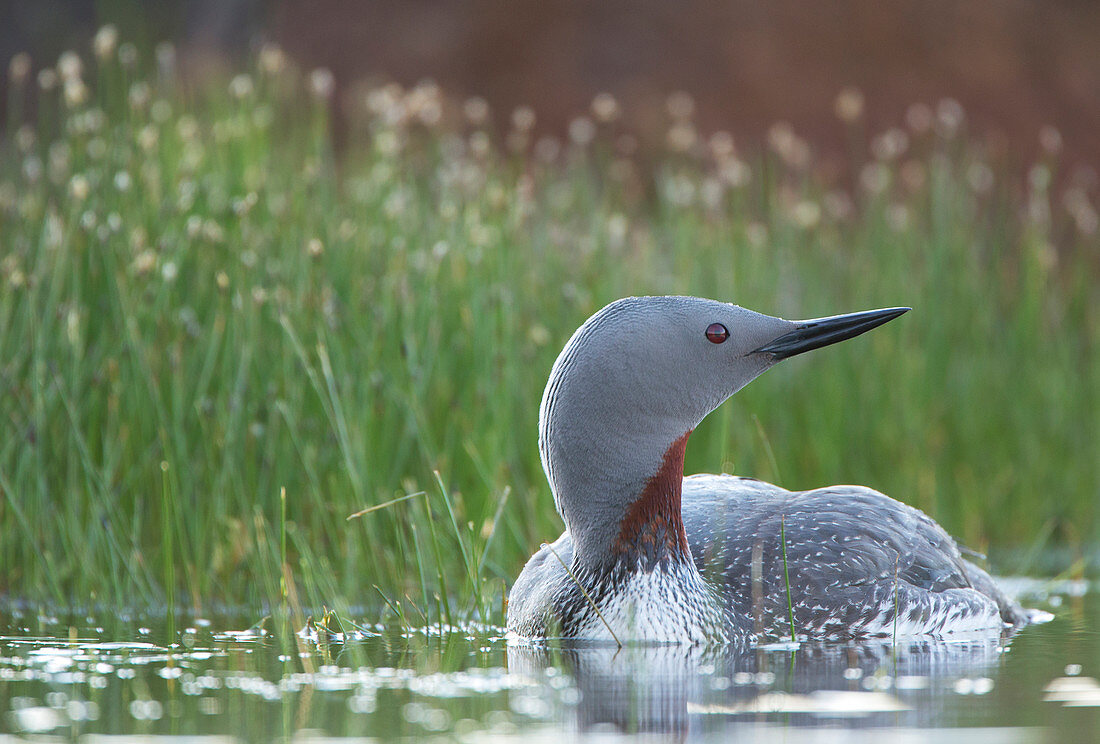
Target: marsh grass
point(204, 307)
point(787, 575)
point(584, 591)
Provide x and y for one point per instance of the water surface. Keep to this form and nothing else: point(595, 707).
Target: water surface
point(101, 676)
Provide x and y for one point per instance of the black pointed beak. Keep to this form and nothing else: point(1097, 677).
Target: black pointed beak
point(813, 334)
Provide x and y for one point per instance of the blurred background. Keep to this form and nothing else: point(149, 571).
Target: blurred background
point(330, 249)
point(1023, 71)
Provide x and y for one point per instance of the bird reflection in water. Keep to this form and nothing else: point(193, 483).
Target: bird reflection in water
point(685, 690)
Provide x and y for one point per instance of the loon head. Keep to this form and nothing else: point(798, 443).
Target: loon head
point(628, 388)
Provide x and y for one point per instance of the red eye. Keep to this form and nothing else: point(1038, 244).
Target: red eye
point(717, 333)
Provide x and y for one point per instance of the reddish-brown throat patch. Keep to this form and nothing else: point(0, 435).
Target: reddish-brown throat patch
point(653, 527)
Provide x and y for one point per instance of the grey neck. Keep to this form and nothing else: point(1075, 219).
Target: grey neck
point(618, 493)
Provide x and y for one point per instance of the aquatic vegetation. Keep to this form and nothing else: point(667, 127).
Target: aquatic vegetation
point(206, 300)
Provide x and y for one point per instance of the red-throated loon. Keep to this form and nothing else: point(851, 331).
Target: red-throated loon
point(649, 555)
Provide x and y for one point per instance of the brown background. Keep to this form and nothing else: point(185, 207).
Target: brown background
point(1014, 65)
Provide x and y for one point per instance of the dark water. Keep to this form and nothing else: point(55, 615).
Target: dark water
point(96, 678)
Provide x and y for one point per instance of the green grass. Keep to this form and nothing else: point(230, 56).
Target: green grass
point(204, 304)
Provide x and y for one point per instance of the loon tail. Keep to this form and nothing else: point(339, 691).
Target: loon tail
point(1011, 611)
